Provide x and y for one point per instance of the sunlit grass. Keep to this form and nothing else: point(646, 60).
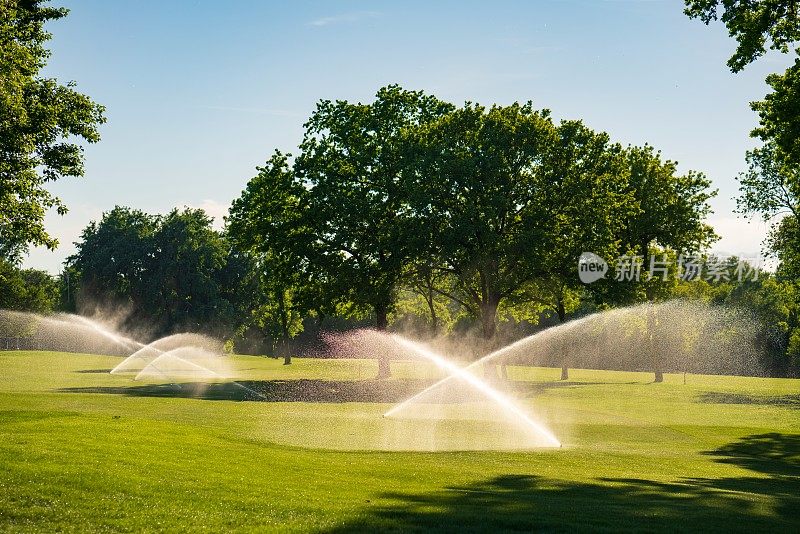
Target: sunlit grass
point(724, 451)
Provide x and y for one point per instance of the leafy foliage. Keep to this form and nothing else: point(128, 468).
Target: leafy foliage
point(769, 187)
point(755, 24)
point(672, 208)
point(779, 114)
point(173, 271)
point(39, 119)
point(352, 158)
point(501, 194)
point(26, 289)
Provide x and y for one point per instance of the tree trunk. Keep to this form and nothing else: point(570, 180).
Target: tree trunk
point(651, 346)
point(381, 322)
point(489, 329)
point(562, 316)
point(287, 353)
point(651, 321)
point(489, 319)
point(432, 307)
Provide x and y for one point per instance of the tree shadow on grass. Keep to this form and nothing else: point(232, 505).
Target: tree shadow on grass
point(773, 454)
point(785, 401)
point(526, 390)
point(300, 390)
point(313, 390)
point(527, 503)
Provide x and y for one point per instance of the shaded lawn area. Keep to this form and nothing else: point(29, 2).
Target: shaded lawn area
point(788, 401)
point(316, 390)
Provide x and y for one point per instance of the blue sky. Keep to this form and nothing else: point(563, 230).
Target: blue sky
point(199, 93)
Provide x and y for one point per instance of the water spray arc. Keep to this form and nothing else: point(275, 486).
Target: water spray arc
point(489, 357)
point(686, 337)
point(62, 331)
point(479, 385)
point(191, 369)
point(157, 361)
point(94, 325)
point(148, 353)
point(192, 356)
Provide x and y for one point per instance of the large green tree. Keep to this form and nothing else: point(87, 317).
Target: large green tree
point(502, 194)
point(672, 206)
point(577, 156)
point(112, 258)
point(669, 217)
point(352, 159)
point(268, 222)
point(770, 186)
point(40, 119)
point(171, 272)
point(182, 282)
point(277, 310)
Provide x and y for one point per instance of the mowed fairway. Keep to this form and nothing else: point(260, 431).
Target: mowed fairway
point(84, 450)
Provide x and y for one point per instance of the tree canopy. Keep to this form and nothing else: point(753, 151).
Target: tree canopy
point(755, 24)
point(502, 195)
point(40, 119)
point(779, 115)
point(170, 272)
point(27, 289)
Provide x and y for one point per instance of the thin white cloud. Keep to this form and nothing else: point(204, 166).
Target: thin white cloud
point(355, 16)
point(740, 237)
point(215, 209)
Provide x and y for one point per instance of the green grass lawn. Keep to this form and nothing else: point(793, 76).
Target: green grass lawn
point(84, 450)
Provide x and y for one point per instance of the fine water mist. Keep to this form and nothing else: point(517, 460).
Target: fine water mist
point(469, 414)
point(143, 357)
point(502, 407)
point(63, 332)
point(447, 398)
point(186, 363)
point(675, 336)
point(175, 358)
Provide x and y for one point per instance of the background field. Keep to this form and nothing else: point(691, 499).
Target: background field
point(81, 449)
